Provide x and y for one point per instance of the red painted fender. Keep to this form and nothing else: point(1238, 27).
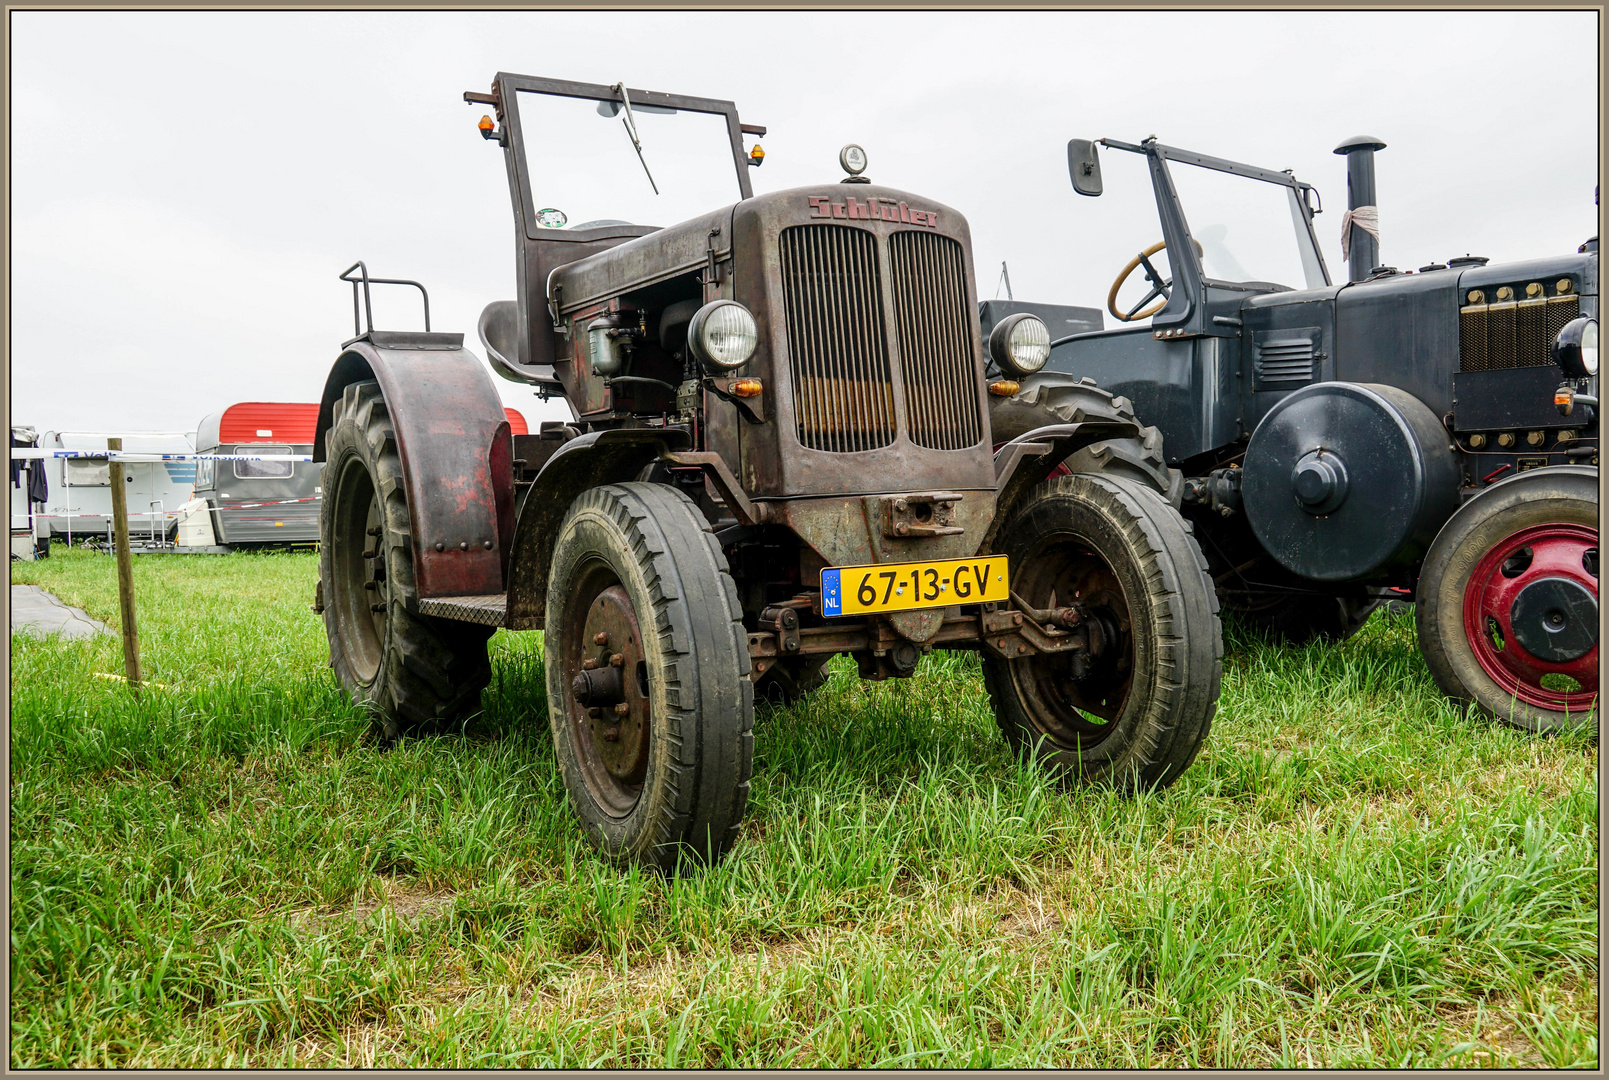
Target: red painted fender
point(456, 449)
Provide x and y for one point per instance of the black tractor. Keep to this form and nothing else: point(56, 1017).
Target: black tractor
point(1429, 435)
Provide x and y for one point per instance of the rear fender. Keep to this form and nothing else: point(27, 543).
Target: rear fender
point(614, 456)
point(1022, 463)
point(456, 449)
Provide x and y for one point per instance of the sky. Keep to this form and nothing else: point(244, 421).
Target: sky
point(186, 186)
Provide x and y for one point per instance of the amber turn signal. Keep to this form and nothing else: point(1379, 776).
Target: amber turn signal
point(1004, 387)
point(757, 155)
point(747, 387)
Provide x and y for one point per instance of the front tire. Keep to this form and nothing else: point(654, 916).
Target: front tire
point(412, 671)
point(1140, 712)
point(1507, 603)
point(649, 694)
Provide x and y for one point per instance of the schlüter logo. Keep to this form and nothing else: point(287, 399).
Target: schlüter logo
point(875, 209)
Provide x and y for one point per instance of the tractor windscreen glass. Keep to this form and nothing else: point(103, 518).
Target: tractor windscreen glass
point(1248, 229)
point(581, 161)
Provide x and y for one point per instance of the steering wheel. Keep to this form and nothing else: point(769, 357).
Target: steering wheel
point(1160, 286)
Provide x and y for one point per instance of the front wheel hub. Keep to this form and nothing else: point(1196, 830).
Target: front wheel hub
point(1555, 619)
point(1531, 616)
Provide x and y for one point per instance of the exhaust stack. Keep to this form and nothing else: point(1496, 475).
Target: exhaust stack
point(1360, 232)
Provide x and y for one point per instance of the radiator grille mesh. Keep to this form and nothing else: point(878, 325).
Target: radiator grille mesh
point(1512, 334)
point(837, 339)
point(935, 341)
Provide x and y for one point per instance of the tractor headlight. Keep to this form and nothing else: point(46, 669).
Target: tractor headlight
point(1020, 344)
point(723, 335)
point(1575, 350)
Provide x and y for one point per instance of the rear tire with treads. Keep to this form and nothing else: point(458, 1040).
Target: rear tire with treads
point(413, 672)
point(1058, 398)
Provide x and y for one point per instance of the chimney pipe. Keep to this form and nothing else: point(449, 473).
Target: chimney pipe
point(1365, 249)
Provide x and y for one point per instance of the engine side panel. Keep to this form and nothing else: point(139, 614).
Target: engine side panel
point(1401, 330)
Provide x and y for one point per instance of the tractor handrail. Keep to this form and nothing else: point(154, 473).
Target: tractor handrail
point(368, 307)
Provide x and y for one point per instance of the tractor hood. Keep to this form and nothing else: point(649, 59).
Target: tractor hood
point(682, 249)
point(643, 260)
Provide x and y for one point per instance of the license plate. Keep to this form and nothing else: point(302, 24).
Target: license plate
point(905, 586)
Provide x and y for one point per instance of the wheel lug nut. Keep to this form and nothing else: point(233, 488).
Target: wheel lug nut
point(440, 546)
point(371, 585)
point(588, 664)
point(611, 735)
point(376, 607)
point(373, 530)
point(622, 709)
point(600, 638)
point(595, 713)
point(616, 660)
point(369, 554)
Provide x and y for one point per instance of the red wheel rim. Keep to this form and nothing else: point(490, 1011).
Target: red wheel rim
point(1523, 559)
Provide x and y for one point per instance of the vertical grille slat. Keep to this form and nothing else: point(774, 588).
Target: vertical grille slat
point(837, 341)
point(935, 340)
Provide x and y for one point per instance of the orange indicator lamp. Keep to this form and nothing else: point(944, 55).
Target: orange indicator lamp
point(747, 387)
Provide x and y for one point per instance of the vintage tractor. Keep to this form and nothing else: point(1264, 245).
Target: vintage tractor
point(1428, 435)
point(780, 451)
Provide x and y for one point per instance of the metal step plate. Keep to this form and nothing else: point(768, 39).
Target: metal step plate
point(487, 610)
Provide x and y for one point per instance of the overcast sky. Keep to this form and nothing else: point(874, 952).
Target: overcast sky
point(186, 186)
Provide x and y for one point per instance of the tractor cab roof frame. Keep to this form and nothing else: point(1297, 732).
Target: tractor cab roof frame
point(506, 85)
point(1186, 311)
point(542, 250)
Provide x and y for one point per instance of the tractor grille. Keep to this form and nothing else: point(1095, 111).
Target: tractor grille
point(935, 341)
point(1512, 334)
point(832, 294)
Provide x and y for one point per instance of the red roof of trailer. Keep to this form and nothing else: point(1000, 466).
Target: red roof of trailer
point(268, 422)
point(293, 422)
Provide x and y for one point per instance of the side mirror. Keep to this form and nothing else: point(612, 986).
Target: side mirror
point(1084, 165)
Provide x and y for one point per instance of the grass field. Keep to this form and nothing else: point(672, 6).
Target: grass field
point(228, 871)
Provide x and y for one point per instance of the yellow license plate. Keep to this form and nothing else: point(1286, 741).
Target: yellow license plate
point(862, 590)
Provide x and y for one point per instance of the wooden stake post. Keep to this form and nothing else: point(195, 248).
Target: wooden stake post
point(125, 569)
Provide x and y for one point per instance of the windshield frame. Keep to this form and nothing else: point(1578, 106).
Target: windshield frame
point(1298, 192)
point(508, 85)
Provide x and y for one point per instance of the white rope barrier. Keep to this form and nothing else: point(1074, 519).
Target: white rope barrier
point(25, 453)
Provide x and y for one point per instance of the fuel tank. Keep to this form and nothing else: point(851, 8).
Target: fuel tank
point(1347, 481)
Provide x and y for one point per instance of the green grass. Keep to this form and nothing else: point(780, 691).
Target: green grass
point(227, 871)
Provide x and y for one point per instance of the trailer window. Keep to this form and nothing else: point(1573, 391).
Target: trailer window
point(203, 475)
point(87, 472)
point(262, 470)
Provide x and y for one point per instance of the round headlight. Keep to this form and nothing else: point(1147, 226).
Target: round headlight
point(1020, 344)
point(1575, 350)
point(723, 335)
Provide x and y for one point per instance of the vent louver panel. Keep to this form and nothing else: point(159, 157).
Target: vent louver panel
point(843, 394)
point(1284, 358)
point(935, 341)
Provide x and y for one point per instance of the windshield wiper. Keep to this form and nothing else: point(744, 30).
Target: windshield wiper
point(630, 123)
